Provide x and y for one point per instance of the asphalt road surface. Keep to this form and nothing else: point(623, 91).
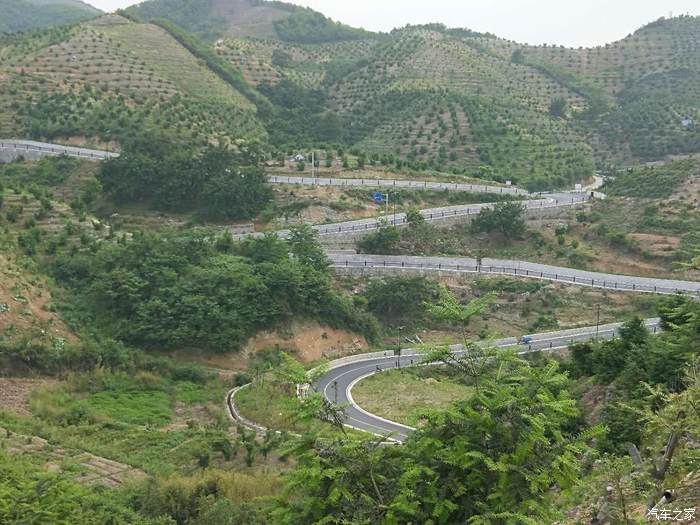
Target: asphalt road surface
point(337, 384)
point(396, 183)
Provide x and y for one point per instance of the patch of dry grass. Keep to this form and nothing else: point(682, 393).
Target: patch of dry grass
point(401, 395)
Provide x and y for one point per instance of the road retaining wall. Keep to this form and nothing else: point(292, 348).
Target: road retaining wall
point(346, 238)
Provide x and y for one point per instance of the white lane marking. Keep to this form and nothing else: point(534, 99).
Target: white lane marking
point(348, 394)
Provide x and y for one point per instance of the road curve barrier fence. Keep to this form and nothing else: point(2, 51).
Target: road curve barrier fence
point(56, 150)
point(396, 183)
point(435, 215)
point(607, 284)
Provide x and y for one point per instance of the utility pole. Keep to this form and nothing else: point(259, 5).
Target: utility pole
point(597, 323)
point(397, 352)
point(394, 195)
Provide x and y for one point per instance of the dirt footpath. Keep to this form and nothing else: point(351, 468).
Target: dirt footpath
point(14, 393)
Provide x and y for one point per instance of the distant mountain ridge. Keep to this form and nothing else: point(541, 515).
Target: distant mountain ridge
point(212, 19)
point(428, 97)
point(22, 15)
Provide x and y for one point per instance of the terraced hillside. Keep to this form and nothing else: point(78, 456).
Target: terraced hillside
point(426, 97)
point(310, 66)
point(22, 15)
point(460, 100)
point(110, 77)
point(645, 87)
point(432, 98)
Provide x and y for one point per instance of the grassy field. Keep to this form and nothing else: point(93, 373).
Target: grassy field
point(402, 395)
point(265, 404)
point(146, 421)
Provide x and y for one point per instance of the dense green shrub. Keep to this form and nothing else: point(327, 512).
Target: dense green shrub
point(383, 241)
point(222, 183)
point(506, 219)
point(30, 493)
point(401, 299)
point(177, 290)
point(307, 26)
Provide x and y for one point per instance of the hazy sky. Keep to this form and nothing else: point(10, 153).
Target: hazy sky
point(568, 22)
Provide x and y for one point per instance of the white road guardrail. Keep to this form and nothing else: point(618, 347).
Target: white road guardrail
point(607, 284)
point(55, 149)
point(396, 183)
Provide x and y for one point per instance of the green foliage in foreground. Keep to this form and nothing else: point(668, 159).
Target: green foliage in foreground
point(183, 290)
point(489, 459)
point(221, 182)
point(636, 357)
point(634, 362)
point(31, 494)
point(493, 458)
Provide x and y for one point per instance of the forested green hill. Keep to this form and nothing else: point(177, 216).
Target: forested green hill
point(212, 19)
point(21, 15)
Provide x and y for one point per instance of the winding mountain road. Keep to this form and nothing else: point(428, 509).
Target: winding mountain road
point(344, 373)
point(397, 184)
point(555, 200)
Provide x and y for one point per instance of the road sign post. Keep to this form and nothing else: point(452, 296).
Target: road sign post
point(380, 198)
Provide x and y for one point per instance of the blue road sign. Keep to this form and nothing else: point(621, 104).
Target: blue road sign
point(378, 197)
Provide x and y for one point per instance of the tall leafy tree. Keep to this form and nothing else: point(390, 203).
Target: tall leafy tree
point(506, 219)
point(304, 246)
point(235, 185)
